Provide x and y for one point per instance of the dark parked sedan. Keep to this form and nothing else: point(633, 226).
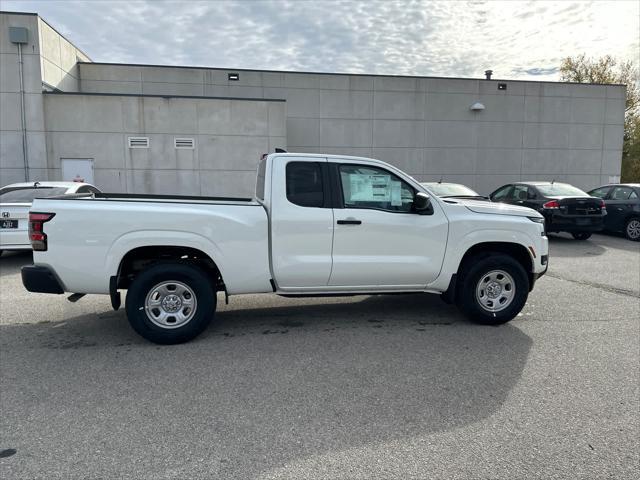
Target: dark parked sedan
point(565, 208)
point(623, 208)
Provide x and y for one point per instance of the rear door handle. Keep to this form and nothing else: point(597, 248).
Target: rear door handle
point(349, 222)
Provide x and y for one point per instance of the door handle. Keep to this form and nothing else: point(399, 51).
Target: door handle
point(349, 222)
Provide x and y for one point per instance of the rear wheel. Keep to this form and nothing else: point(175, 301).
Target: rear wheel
point(632, 229)
point(493, 290)
point(170, 303)
point(581, 235)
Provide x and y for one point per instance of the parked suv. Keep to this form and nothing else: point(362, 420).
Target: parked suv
point(565, 208)
point(623, 208)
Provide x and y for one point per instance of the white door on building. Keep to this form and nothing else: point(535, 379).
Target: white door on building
point(77, 169)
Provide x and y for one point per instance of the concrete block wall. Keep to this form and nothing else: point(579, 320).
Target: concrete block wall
point(59, 59)
point(47, 57)
point(11, 149)
point(230, 136)
point(531, 130)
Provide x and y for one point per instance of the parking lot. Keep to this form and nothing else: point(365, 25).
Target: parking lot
point(353, 387)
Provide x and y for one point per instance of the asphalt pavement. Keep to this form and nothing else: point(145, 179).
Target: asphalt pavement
point(393, 386)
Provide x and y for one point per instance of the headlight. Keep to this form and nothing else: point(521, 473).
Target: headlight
point(537, 219)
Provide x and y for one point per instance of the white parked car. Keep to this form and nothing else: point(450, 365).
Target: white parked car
point(15, 202)
point(318, 225)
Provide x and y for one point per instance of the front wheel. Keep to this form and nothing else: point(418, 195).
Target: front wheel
point(493, 290)
point(632, 229)
point(581, 235)
point(170, 303)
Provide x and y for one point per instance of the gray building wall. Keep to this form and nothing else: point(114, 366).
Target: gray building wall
point(532, 130)
point(47, 57)
point(230, 136)
point(59, 59)
point(423, 125)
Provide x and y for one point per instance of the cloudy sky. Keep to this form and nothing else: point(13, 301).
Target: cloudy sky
point(517, 39)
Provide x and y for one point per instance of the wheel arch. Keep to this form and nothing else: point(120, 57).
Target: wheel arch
point(518, 251)
point(139, 258)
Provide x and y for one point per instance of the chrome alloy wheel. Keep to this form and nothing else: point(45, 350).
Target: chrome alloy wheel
point(170, 304)
point(495, 291)
point(633, 229)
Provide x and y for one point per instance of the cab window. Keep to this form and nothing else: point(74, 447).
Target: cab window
point(304, 184)
point(374, 188)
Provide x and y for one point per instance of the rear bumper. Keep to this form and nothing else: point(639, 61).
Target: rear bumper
point(570, 223)
point(14, 240)
point(40, 279)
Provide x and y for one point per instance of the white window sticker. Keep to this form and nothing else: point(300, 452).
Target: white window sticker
point(396, 194)
point(369, 188)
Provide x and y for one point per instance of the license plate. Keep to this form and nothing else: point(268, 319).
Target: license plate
point(9, 224)
point(583, 221)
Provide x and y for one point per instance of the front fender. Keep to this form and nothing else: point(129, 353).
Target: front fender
point(455, 252)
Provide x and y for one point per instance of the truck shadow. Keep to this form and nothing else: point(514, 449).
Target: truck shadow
point(331, 377)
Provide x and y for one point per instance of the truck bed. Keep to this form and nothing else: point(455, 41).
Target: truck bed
point(138, 197)
point(89, 235)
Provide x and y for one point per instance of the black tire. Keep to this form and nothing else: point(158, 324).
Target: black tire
point(475, 270)
point(632, 233)
point(189, 275)
point(581, 235)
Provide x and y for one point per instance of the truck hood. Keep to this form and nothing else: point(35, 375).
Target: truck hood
point(499, 208)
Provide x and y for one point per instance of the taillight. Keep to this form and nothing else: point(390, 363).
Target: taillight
point(603, 206)
point(552, 205)
point(36, 231)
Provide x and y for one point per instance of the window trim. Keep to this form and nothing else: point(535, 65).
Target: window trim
point(338, 185)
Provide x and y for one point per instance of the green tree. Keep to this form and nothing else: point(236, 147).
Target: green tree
point(607, 69)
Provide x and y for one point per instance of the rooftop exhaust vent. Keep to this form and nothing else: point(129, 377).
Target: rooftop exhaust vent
point(488, 73)
point(138, 142)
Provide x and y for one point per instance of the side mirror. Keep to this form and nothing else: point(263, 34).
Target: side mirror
point(422, 204)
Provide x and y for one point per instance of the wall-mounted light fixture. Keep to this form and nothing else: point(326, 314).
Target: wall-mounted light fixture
point(234, 77)
point(477, 107)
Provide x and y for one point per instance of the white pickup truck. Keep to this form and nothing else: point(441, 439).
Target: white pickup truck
point(318, 225)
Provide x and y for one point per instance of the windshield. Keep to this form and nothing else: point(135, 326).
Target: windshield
point(451, 190)
point(561, 190)
point(26, 195)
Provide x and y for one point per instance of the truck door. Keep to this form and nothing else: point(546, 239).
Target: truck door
point(379, 241)
point(301, 222)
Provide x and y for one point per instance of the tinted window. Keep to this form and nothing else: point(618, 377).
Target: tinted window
point(520, 192)
point(262, 168)
point(621, 193)
point(633, 196)
point(501, 193)
point(304, 184)
point(560, 190)
point(369, 187)
point(26, 195)
point(599, 192)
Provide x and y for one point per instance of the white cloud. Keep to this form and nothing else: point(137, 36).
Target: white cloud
point(450, 38)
